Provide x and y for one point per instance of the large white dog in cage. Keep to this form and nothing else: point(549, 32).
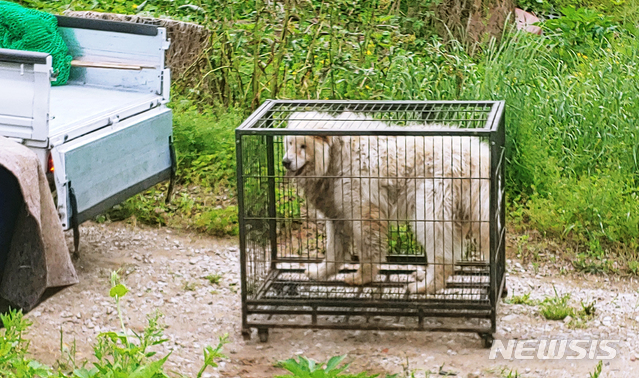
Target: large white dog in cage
point(361, 184)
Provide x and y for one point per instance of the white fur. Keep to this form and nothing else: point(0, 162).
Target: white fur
point(439, 184)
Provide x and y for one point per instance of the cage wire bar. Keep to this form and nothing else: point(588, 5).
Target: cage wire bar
point(282, 233)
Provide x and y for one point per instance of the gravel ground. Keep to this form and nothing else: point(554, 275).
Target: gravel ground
point(166, 271)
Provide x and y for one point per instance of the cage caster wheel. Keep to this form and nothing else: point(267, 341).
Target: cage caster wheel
point(263, 334)
point(246, 334)
point(486, 340)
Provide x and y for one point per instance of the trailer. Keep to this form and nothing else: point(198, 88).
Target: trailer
point(104, 136)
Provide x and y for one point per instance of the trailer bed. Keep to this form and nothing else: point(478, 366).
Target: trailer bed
point(76, 110)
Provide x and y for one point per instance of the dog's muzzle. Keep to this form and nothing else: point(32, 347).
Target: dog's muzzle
point(286, 162)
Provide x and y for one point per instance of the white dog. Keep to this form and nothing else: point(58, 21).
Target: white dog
point(361, 184)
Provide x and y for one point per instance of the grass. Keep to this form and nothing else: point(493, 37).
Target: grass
point(214, 279)
point(509, 373)
point(190, 286)
point(556, 308)
point(521, 300)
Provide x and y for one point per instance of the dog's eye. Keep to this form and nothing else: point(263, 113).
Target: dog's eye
point(303, 146)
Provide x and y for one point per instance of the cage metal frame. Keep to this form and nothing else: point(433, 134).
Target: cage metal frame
point(258, 124)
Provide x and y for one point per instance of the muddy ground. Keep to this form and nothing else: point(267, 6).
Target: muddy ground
point(166, 269)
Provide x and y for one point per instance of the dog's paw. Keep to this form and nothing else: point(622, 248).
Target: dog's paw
point(354, 279)
point(423, 283)
point(320, 272)
point(417, 287)
point(419, 275)
point(316, 272)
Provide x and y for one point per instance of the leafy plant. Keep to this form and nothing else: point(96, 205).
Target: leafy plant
point(402, 241)
point(211, 355)
point(14, 348)
point(306, 368)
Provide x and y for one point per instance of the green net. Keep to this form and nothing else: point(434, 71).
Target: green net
point(31, 30)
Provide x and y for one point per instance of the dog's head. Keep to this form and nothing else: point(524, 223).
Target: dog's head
point(306, 155)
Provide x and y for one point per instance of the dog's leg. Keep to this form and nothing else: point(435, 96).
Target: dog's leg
point(370, 241)
point(480, 216)
point(334, 254)
point(425, 235)
point(436, 232)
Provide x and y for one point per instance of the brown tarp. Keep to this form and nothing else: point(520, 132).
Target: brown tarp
point(38, 256)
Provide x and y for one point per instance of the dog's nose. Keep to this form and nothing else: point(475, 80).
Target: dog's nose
point(286, 162)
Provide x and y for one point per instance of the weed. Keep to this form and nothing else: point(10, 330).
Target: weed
point(521, 299)
point(212, 354)
point(218, 222)
point(306, 368)
point(633, 267)
point(214, 279)
point(588, 309)
point(190, 286)
point(597, 371)
point(522, 244)
point(510, 373)
point(556, 307)
point(585, 263)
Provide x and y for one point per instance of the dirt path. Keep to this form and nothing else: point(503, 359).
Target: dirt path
point(166, 271)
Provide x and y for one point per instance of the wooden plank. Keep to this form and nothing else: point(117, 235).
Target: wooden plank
point(115, 66)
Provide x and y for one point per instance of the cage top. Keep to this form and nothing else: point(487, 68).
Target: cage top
point(375, 117)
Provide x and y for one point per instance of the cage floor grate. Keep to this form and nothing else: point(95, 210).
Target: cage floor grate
point(289, 282)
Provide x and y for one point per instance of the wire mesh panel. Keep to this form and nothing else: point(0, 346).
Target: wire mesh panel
point(372, 215)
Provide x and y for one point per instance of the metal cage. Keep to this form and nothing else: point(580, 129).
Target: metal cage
point(342, 236)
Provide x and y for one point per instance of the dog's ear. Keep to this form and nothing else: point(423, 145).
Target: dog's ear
point(325, 139)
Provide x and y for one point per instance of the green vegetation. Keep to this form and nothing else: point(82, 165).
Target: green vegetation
point(597, 371)
point(115, 354)
point(214, 279)
point(572, 100)
point(305, 368)
point(558, 308)
point(521, 299)
point(126, 354)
